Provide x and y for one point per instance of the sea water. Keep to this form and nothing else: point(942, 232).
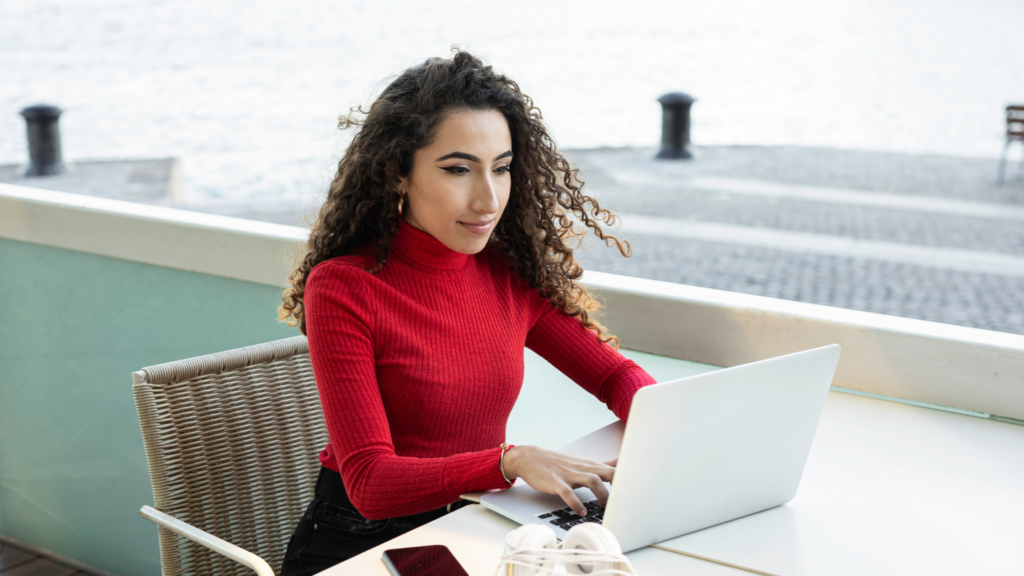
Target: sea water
point(248, 93)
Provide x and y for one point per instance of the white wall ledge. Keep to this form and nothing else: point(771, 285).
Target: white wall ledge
point(942, 364)
point(218, 245)
point(965, 368)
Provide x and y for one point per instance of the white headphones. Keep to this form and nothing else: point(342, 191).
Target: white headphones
point(588, 548)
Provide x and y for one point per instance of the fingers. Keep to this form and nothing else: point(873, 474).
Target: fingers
point(559, 474)
point(571, 499)
point(607, 473)
point(596, 485)
point(606, 470)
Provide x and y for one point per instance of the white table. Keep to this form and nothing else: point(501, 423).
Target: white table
point(889, 489)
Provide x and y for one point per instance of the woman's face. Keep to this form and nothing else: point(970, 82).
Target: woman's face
point(459, 184)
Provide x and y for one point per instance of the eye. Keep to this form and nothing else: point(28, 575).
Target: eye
point(503, 169)
point(457, 170)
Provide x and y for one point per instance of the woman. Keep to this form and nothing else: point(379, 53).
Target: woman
point(441, 251)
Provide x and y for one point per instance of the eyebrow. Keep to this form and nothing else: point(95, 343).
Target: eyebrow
point(472, 158)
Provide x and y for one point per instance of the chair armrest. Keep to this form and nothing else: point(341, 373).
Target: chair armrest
point(208, 540)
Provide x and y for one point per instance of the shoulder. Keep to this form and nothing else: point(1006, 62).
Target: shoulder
point(501, 266)
point(345, 274)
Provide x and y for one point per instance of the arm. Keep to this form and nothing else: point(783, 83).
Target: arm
point(579, 354)
point(599, 369)
point(380, 484)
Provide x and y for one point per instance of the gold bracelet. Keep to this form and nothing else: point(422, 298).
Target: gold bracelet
point(501, 461)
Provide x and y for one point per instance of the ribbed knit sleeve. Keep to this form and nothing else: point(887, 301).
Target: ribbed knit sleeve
point(340, 321)
point(578, 353)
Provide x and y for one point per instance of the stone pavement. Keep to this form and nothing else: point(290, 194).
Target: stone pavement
point(147, 181)
point(923, 237)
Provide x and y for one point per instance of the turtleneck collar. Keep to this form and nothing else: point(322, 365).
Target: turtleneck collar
point(421, 250)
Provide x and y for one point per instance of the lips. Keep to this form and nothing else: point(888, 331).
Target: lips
point(478, 227)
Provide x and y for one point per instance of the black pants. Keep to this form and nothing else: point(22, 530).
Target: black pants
point(331, 530)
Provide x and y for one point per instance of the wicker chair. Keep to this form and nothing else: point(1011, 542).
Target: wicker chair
point(231, 440)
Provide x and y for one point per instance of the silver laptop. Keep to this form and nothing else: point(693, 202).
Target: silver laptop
point(697, 451)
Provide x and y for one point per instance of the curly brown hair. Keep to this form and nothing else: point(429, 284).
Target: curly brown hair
point(535, 230)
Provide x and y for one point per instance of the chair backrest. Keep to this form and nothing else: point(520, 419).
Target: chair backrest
point(1015, 122)
point(232, 440)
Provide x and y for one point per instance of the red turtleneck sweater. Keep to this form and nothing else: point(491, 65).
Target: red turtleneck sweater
point(418, 367)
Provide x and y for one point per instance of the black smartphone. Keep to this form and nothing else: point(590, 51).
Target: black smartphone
point(423, 561)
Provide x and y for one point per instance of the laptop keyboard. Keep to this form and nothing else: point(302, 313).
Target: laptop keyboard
point(565, 518)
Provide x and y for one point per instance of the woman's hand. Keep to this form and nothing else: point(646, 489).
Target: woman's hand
point(556, 473)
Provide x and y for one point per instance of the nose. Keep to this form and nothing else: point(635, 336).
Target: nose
point(485, 196)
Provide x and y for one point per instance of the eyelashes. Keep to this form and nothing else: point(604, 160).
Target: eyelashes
point(462, 170)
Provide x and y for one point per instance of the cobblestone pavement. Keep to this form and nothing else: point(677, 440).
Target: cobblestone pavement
point(866, 223)
point(935, 176)
point(977, 300)
point(928, 292)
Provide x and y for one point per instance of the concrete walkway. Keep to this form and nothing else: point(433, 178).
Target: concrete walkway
point(924, 237)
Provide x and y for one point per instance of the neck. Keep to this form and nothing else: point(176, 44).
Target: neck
point(420, 249)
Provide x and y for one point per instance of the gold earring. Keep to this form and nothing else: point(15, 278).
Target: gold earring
point(401, 200)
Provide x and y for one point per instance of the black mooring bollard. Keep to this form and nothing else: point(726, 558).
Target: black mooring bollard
point(43, 140)
point(675, 126)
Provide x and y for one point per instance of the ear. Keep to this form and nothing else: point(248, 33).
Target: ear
point(403, 185)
